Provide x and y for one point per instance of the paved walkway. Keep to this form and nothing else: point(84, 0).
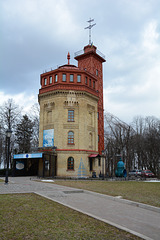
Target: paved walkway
point(139, 219)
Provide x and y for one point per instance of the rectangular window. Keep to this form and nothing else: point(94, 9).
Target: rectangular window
point(64, 77)
point(71, 137)
point(45, 81)
point(86, 80)
point(78, 78)
point(90, 82)
point(94, 84)
point(70, 115)
point(56, 78)
point(50, 79)
point(96, 72)
point(71, 77)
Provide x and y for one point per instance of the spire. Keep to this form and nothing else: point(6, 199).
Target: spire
point(89, 27)
point(68, 57)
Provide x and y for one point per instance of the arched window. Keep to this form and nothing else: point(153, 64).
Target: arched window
point(90, 140)
point(70, 137)
point(70, 163)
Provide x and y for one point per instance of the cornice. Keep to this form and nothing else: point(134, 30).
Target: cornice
point(65, 94)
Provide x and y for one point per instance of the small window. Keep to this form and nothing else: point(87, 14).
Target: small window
point(98, 115)
point(71, 77)
point(98, 138)
point(56, 78)
point(94, 84)
point(50, 79)
point(45, 81)
point(86, 80)
point(90, 82)
point(70, 163)
point(64, 77)
point(96, 72)
point(78, 78)
point(70, 115)
point(70, 137)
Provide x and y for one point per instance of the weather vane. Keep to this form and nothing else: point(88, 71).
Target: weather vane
point(89, 27)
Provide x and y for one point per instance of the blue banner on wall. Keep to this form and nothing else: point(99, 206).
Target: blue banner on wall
point(28, 155)
point(48, 138)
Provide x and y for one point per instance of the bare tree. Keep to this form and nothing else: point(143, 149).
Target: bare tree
point(118, 141)
point(152, 143)
point(9, 117)
point(137, 143)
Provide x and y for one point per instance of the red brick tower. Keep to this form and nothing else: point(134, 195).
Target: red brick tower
point(91, 61)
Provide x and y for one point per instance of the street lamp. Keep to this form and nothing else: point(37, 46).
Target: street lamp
point(8, 135)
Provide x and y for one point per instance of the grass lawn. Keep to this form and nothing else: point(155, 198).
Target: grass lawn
point(29, 216)
point(144, 192)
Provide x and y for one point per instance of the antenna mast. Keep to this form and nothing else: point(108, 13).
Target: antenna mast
point(89, 27)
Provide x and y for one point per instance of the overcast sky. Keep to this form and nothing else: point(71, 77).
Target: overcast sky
point(37, 35)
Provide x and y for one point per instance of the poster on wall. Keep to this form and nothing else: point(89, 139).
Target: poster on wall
point(48, 138)
point(19, 165)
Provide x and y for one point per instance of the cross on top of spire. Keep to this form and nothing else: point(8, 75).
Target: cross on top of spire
point(89, 27)
point(68, 57)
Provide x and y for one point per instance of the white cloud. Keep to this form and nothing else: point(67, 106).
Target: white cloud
point(150, 37)
point(38, 34)
point(22, 100)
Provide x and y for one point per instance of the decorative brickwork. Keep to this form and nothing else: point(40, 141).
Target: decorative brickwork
point(92, 62)
point(70, 100)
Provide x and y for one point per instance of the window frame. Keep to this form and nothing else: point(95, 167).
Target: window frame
point(64, 79)
point(78, 78)
point(71, 80)
point(45, 81)
point(71, 138)
point(70, 115)
point(50, 79)
point(56, 78)
point(70, 164)
point(86, 80)
point(94, 84)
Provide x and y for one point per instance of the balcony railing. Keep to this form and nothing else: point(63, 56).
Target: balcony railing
point(82, 52)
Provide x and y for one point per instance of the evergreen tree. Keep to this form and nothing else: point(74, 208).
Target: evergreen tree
point(24, 134)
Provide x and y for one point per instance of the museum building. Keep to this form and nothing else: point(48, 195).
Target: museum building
point(71, 130)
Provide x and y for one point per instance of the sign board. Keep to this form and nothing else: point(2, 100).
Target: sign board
point(20, 165)
point(48, 138)
point(28, 155)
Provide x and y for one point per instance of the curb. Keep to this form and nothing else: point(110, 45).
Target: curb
point(125, 201)
point(98, 218)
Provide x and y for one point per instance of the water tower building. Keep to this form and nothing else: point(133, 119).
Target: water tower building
point(71, 133)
